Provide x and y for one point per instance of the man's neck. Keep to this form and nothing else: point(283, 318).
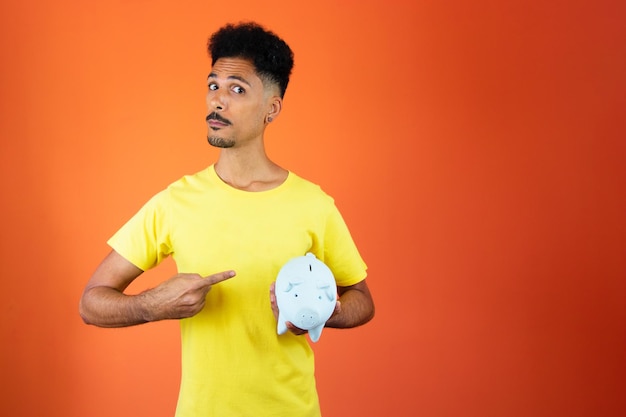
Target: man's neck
point(249, 172)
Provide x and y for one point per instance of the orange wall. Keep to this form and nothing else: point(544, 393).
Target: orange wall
point(476, 149)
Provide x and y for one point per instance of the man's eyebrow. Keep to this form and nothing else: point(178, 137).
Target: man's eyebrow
point(231, 77)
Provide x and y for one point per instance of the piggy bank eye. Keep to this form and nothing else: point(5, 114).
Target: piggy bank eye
point(319, 297)
point(295, 295)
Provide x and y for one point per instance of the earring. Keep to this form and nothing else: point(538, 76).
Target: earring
point(269, 119)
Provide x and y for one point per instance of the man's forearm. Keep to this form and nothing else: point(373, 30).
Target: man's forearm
point(107, 307)
point(357, 308)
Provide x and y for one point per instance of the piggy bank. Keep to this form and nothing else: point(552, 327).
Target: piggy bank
point(306, 294)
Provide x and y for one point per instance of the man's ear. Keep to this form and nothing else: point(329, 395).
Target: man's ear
point(275, 106)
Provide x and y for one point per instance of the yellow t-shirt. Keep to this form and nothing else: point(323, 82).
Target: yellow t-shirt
point(233, 362)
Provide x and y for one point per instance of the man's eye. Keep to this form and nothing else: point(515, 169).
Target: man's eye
point(212, 86)
point(238, 90)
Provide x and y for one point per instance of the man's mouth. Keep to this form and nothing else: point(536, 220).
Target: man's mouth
point(214, 120)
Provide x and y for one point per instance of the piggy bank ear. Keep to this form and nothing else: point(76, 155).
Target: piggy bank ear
point(330, 294)
point(292, 281)
point(290, 286)
point(325, 285)
point(322, 283)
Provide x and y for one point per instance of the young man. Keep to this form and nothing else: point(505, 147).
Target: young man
point(245, 216)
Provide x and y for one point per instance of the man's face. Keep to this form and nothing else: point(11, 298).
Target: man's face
point(237, 103)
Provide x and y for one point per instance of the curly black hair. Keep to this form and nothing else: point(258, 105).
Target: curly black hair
point(271, 56)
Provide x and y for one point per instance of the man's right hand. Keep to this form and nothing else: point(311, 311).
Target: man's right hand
point(104, 303)
point(181, 296)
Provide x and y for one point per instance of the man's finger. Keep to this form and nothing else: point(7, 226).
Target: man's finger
point(273, 304)
point(219, 277)
point(295, 330)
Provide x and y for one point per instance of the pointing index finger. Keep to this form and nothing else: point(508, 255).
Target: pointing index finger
point(219, 277)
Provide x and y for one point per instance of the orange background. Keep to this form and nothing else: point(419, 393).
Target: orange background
point(476, 149)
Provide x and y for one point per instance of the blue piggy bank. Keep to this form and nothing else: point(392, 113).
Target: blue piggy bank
point(306, 294)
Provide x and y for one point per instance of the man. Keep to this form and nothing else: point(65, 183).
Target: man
point(244, 216)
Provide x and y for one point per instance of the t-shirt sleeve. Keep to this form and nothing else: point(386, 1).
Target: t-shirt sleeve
point(340, 252)
point(144, 239)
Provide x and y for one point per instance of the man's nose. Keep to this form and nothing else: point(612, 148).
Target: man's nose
point(216, 100)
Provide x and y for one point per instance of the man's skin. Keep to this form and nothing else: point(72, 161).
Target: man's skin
point(240, 106)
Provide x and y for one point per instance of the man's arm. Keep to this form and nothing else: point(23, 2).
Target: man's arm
point(104, 303)
point(354, 307)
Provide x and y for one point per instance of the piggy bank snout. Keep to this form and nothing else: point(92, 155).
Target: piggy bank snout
point(306, 318)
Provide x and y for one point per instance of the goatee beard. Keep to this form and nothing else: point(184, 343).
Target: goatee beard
point(219, 142)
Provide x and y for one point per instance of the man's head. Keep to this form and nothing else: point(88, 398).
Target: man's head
point(271, 56)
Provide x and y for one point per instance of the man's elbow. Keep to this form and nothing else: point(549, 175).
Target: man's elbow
point(371, 313)
point(83, 310)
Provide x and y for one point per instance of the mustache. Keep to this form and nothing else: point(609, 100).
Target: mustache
point(216, 116)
